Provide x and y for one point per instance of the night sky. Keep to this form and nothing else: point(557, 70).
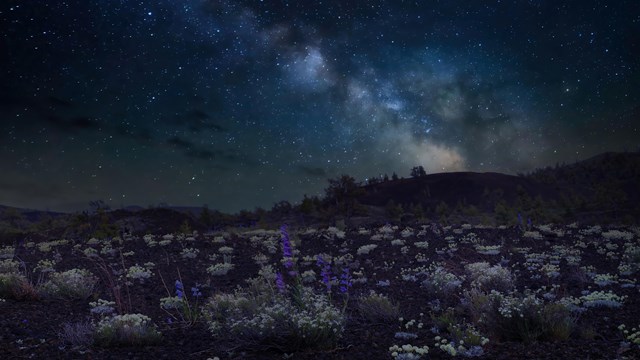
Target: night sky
point(238, 104)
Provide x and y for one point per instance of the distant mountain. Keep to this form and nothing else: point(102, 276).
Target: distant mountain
point(605, 186)
point(467, 188)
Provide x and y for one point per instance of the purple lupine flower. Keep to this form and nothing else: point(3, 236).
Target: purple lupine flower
point(325, 272)
point(286, 247)
point(345, 280)
point(280, 282)
point(179, 289)
point(195, 292)
point(520, 219)
point(326, 276)
point(529, 222)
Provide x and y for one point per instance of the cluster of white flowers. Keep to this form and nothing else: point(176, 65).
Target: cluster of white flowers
point(516, 305)
point(617, 235)
point(333, 232)
point(550, 270)
point(421, 244)
point(219, 239)
point(387, 229)
point(225, 250)
point(605, 279)
point(441, 281)
point(93, 241)
point(7, 252)
point(90, 252)
point(407, 232)
point(151, 241)
point(633, 335)
point(487, 277)
point(421, 258)
point(596, 229)
point(74, 283)
point(139, 273)
point(260, 259)
point(488, 249)
point(220, 269)
point(625, 269)
point(47, 246)
point(189, 253)
point(170, 303)
point(269, 318)
point(533, 235)
point(366, 249)
point(308, 276)
point(602, 299)
point(572, 255)
point(102, 307)
point(397, 242)
point(460, 349)
point(127, 328)
point(408, 351)
point(470, 238)
point(9, 266)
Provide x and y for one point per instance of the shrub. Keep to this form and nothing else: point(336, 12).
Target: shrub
point(77, 334)
point(442, 282)
point(70, 284)
point(378, 308)
point(16, 286)
point(139, 273)
point(487, 278)
point(408, 351)
point(521, 316)
point(220, 269)
point(127, 329)
point(9, 266)
point(366, 249)
point(260, 318)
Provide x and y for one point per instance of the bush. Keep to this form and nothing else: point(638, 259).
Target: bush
point(487, 278)
point(520, 316)
point(441, 282)
point(71, 284)
point(77, 334)
point(259, 318)
point(127, 329)
point(378, 308)
point(16, 286)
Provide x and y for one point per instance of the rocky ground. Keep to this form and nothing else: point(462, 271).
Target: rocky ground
point(30, 327)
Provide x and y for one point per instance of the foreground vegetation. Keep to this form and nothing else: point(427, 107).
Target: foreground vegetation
point(427, 291)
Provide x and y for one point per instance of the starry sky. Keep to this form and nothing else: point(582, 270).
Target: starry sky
point(239, 104)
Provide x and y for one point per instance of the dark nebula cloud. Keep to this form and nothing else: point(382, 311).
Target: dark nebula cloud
point(238, 104)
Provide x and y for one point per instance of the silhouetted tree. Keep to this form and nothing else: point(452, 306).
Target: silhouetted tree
point(205, 217)
point(394, 177)
point(418, 211)
point(281, 208)
point(343, 193)
point(502, 213)
point(418, 171)
point(394, 211)
point(442, 210)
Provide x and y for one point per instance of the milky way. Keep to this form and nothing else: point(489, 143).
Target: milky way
point(238, 104)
